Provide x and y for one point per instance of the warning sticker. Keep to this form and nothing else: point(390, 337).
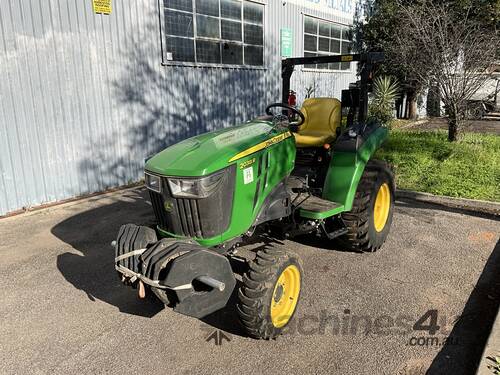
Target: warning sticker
point(102, 6)
point(247, 175)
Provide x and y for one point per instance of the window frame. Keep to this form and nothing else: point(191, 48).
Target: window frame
point(318, 53)
point(163, 38)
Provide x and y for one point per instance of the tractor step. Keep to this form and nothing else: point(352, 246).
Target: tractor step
point(317, 208)
point(334, 234)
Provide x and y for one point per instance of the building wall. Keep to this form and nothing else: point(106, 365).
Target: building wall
point(85, 99)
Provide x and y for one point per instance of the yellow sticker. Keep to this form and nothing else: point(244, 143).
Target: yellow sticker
point(261, 146)
point(102, 6)
point(247, 163)
point(346, 58)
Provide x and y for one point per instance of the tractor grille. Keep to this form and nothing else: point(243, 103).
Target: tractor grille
point(200, 218)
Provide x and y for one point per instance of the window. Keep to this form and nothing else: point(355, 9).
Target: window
point(214, 31)
point(323, 38)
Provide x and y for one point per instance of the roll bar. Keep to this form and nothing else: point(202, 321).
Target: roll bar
point(358, 99)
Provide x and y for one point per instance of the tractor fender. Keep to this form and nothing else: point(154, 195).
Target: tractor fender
point(351, 153)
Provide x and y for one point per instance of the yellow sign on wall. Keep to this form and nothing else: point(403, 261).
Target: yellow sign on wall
point(102, 6)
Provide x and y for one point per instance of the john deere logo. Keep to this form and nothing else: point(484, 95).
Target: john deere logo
point(168, 206)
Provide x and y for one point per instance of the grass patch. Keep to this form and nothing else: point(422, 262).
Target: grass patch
point(426, 161)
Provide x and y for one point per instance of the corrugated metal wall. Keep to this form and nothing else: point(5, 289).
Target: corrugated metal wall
point(84, 98)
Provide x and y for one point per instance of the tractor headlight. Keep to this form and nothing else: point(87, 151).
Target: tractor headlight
point(152, 182)
point(196, 187)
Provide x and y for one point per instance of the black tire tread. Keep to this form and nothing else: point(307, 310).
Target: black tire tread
point(254, 295)
point(357, 220)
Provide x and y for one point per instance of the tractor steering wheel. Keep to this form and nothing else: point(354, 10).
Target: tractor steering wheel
point(290, 109)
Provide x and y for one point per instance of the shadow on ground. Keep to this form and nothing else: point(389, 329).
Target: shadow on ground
point(91, 233)
point(462, 352)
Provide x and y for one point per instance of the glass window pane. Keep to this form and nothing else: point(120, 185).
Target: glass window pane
point(182, 49)
point(232, 53)
point(254, 55)
point(324, 29)
point(310, 66)
point(177, 23)
point(310, 25)
point(323, 66)
point(186, 5)
point(209, 7)
point(230, 9)
point(335, 30)
point(231, 30)
point(207, 27)
point(335, 46)
point(310, 43)
point(253, 34)
point(345, 66)
point(346, 47)
point(207, 51)
point(253, 12)
point(324, 44)
point(334, 66)
point(347, 34)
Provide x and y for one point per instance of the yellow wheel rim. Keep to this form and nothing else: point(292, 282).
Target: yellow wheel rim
point(382, 207)
point(285, 296)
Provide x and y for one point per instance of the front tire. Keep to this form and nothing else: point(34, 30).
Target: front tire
point(270, 293)
point(369, 221)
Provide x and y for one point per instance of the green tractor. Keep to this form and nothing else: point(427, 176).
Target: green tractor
point(292, 172)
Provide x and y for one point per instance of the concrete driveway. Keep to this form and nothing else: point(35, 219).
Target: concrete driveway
point(63, 309)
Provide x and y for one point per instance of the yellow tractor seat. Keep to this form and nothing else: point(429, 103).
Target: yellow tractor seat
point(322, 118)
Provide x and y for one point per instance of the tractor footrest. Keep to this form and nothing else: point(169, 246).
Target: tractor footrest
point(317, 208)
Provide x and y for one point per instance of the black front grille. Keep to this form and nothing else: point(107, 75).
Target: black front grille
point(200, 218)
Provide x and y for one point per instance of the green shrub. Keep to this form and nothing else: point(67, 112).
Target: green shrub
point(385, 92)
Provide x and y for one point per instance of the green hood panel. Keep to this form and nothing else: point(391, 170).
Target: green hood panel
point(207, 153)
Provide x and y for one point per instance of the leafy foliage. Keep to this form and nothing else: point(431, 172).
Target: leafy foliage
point(385, 92)
point(375, 30)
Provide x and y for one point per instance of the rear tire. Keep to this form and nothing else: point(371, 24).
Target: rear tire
point(270, 293)
point(369, 221)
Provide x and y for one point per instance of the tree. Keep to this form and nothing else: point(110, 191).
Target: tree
point(487, 12)
point(375, 29)
point(451, 49)
point(378, 28)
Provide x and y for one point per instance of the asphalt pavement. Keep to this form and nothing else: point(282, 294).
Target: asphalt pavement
point(63, 309)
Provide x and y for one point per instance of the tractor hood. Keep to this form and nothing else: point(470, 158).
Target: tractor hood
point(207, 153)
